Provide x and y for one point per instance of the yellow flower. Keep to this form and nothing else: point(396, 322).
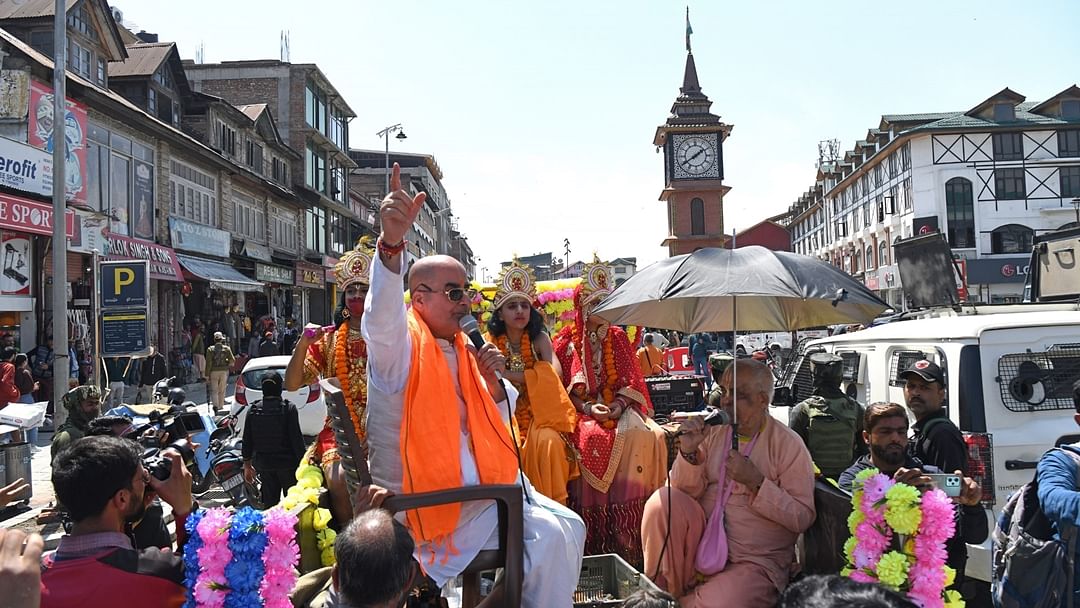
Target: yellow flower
point(950, 576)
point(953, 599)
point(892, 569)
point(325, 538)
point(308, 470)
point(321, 519)
point(865, 474)
point(901, 494)
point(326, 557)
point(849, 549)
point(909, 546)
point(904, 520)
point(854, 520)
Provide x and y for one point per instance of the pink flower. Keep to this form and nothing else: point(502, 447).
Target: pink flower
point(861, 577)
point(875, 487)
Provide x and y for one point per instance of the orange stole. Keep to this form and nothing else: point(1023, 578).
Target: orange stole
point(430, 450)
point(551, 406)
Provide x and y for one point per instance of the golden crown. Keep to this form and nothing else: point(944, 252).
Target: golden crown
point(515, 280)
point(595, 281)
point(355, 266)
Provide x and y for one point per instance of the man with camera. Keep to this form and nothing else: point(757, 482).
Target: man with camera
point(103, 484)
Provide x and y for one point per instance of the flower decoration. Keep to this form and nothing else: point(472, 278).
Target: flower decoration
point(241, 559)
point(309, 481)
point(898, 539)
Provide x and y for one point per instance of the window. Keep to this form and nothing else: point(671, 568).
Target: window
point(1008, 146)
point(338, 131)
point(337, 183)
point(905, 157)
point(102, 73)
point(151, 100)
point(960, 213)
point(227, 139)
point(315, 169)
point(1011, 238)
point(120, 181)
point(162, 77)
point(883, 253)
point(249, 218)
point(1070, 109)
point(339, 233)
point(1068, 142)
point(315, 108)
point(856, 263)
point(867, 215)
point(80, 61)
point(1004, 112)
point(697, 216)
point(906, 190)
point(877, 175)
point(869, 257)
point(279, 170)
point(79, 20)
point(1070, 181)
point(193, 194)
point(316, 229)
point(283, 228)
point(254, 156)
point(1009, 184)
point(892, 165)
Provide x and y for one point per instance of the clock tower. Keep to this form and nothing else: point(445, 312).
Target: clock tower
point(693, 140)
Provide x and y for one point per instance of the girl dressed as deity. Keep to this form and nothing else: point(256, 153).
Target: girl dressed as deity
point(341, 354)
point(622, 451)
point(544, 412)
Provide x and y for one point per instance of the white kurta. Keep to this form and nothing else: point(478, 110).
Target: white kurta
point(554, 535)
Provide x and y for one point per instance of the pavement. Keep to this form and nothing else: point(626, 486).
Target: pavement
point(23, 515)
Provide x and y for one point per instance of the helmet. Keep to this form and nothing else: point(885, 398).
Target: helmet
point(827, 367)
point(177, 396)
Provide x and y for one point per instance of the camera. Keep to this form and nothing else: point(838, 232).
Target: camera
point(159, 466)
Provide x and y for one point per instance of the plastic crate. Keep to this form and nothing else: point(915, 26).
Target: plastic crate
point(606, 580)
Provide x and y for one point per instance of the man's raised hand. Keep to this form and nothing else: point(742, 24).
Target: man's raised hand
point(398, 210)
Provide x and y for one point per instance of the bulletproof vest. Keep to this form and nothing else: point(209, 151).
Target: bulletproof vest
point(267, 420)
point(831, 435)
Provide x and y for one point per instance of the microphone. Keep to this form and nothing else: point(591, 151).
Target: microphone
point(712, 417)
point(472, 329)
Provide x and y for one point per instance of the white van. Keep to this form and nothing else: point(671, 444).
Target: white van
point(1008, 377)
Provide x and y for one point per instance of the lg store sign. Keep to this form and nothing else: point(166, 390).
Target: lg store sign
point(1014, 270)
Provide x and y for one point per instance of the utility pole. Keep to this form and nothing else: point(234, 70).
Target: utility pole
point(61, 364)
point(566, 248)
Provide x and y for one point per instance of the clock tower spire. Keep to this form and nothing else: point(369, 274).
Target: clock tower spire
point(692, 139)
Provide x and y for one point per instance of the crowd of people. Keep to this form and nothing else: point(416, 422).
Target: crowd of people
point(567, 418)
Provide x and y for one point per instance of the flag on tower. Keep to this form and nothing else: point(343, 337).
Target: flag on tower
point(689, 30)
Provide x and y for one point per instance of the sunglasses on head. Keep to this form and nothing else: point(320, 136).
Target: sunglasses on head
point(454, 294)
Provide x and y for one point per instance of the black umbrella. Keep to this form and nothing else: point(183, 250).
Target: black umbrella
point(751, 288)
point(774, 290)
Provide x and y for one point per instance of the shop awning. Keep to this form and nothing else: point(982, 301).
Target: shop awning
point(219, 274)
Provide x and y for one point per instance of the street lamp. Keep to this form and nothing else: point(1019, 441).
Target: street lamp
point(385, 134)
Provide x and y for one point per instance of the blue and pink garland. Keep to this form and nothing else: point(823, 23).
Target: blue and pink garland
point(241, 559)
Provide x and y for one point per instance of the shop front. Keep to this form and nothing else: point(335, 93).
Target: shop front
point(310, 283)
point(997, 280)
point(279, 295)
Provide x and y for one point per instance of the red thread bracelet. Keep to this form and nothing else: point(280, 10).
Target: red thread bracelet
point(391, 250)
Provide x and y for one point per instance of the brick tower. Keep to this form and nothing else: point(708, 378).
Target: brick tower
point(693, 139)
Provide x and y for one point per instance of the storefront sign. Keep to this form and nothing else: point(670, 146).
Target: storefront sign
point(142, 224)
point(24, 215)
point(163, 264)
point(310, 275)
point(924, 225)
point(124, 333)
point(125, 284)
point(90, 233)
point(872, 283)
point(257, 251)
point(189, 236)
point(273, 274)
point(24, 167)
point(999, 270)
point(40, 135)
point(329, 263)
point(18, 264)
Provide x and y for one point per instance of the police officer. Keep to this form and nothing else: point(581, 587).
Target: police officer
point(829, 421)
point(272, 439)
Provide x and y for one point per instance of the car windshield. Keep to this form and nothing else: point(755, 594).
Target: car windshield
point(253, 378)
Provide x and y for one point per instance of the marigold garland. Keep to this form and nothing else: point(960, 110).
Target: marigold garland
point(884, 509)
point(341, 370)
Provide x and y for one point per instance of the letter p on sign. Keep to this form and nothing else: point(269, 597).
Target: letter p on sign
point(121, 278)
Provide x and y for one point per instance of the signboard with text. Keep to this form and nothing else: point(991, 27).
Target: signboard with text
point(273, 274)
point(125, 284)
point(163, 263)
point(40, 135)
point(310, 275)
point(124, 333)
point(189, 236)
point(25, 215)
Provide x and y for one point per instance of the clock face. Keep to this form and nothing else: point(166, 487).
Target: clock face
point(695, 156)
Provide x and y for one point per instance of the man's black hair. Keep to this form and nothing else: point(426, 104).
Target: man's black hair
point(8, 353)
point(835, 591)
point(103, 425)
point(496, 326)
point(374, 559)
point(271, 385)
point(93, 469)
point(647, 598)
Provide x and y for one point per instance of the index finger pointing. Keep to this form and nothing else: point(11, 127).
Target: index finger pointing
point(395, 178)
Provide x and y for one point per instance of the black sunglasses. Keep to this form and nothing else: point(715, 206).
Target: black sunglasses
point(454, 294)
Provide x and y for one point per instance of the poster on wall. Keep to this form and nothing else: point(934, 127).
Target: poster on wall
point(40, 135)
point(16, 268)
point(142, 217)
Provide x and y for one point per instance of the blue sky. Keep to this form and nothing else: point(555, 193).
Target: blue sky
point(541, 114)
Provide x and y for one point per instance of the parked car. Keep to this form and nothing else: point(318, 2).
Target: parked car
point(308, 400)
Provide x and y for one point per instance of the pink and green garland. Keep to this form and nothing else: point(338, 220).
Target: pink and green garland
point(241, 559)
point(884, 510)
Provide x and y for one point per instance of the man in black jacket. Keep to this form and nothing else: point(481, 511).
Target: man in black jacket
point(272, 444)
point(937, 441)
point(154, 369)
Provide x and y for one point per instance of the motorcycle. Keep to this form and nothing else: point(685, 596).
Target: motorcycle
point(227, 463)
point(163, 387)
